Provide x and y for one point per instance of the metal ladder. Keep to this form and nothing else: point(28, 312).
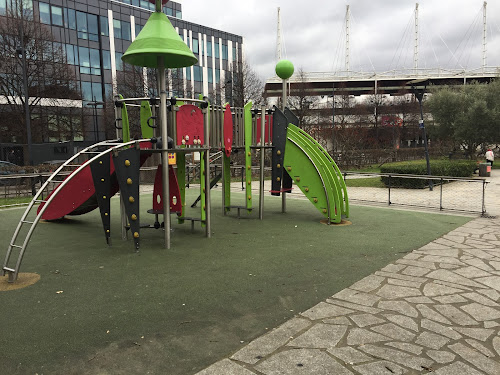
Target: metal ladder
point(59, 176)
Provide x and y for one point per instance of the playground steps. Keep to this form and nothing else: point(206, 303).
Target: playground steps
point(32, 214)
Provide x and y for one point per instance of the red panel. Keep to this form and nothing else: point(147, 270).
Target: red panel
point(175, 195)
point(269, 124)
point(79, 190)
point(190, 126)
point(228, 130)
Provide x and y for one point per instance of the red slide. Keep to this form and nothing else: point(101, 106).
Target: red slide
point(78, 197)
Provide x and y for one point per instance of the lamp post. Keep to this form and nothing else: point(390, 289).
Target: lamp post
point(94, 103)
point(419, 94)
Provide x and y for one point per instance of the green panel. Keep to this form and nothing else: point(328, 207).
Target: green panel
point(147, 131)
point(337, 175)
point(181, 178)
point(125, 123)
point(202, 186)
point(312, 173)
point(248, 155)
point(227, 181)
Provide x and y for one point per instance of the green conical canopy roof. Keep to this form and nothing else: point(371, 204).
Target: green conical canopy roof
point(158, 37)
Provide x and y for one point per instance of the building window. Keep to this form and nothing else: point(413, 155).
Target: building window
point(44, 13)
point(106, 59)
point(198, 73)
point(118, 60)
point(210, 75)
point(195, 46)
point(70, 54)
point(209, 49)
point(81, 22)
point(138, 29)
point(57, 15)
point(104, 25)
point(217, 50)
point(97, 91)
point(217, 76)
point(70, 18)
point(188, 73)
point(178, 14)
point(234, 54)
point(84, 55)
point(93, 27)
point(170, 12)
point(87, 91)
point(122, 29)
point(95, 63)
point(224, 52)
point(3, 7)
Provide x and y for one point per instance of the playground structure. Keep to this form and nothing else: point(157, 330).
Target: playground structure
point(90, 178)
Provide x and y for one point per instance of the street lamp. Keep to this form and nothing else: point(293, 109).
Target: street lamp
point(419, 94)
point(94, 103)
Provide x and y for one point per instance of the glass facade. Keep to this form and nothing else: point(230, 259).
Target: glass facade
point(94, 35)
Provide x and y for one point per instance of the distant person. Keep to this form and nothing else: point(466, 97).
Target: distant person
point(490, 156)
point(12, 157)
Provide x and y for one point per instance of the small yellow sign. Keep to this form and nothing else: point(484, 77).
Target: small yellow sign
point(172, 158)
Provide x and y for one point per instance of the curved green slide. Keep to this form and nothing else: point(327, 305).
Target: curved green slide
point(316, 174)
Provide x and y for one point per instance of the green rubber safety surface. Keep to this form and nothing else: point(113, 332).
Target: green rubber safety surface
point(99, 309)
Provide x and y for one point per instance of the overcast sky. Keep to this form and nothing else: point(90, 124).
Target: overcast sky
point(382, 32)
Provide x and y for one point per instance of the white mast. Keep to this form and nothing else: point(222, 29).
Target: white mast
point(484, 35)
point(278, 39)
point(415, 50)
point(347, 22)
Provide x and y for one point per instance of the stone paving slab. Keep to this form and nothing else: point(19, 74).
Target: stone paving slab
point(436, 310)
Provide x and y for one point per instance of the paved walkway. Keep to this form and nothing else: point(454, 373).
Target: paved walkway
point(435, 310)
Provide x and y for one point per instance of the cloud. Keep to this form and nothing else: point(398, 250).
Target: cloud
point(381, 32)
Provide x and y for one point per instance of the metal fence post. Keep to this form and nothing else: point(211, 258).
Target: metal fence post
point(441, 195)
point(483, 208)
point(389, 203)
point(242, 176)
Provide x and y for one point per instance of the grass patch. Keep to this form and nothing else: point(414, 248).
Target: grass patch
point(177, 311)
point(375, 182)
point(18, 200)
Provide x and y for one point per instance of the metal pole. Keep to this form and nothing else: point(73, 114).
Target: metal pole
point(207, 172)
point(283, 194)
point(164, 152)
point(441, 195)
point(389, 203)
point(419, 94)
point(262, 151)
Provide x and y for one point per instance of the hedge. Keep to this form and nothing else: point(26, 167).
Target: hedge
point(451, 168)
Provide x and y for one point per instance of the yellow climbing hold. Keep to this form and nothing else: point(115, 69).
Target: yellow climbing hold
point(129, 181)
point(278, 165)
point(298, 179)
point(127, 163)
point(289, 169)
point(136, 234)
point(133, 217)
point(306, 189)
point(249, 197)
point(278, 179)
point(131, 199)
point(315, 200)
point(278, 152)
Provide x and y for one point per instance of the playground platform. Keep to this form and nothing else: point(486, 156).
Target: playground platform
point(435, 310)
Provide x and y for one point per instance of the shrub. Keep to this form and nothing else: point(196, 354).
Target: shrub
point(450, 168)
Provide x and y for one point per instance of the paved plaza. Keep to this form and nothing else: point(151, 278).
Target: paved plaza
point(435, 310)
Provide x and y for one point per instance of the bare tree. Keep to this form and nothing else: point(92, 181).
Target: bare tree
point(49, 77)
point(243, 85)
point(301, 102)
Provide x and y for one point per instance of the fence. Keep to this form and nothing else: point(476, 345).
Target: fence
point(441, 193)
point(465, 195)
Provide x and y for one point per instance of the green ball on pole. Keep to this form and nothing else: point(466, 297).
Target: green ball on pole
point(284, 69)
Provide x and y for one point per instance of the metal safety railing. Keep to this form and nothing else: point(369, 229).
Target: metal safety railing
point(443, 193)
